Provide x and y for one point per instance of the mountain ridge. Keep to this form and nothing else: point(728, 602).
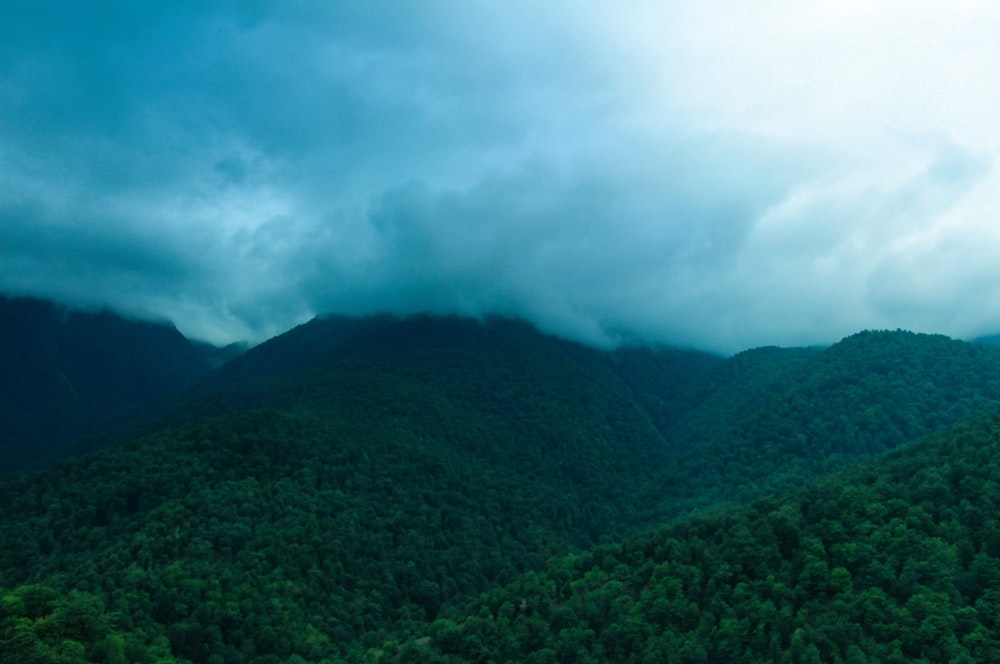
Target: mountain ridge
point(357, 479)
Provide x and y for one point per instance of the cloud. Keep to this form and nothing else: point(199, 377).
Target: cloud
point(713, 173)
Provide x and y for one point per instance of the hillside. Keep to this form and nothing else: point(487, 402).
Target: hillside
point(67, 374)
point(771, 419)
point(733, 428)
point(426, 461)
point(896, 561)
point(355, 480)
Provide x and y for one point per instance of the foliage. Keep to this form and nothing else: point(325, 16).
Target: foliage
point(375, 491)
point(40, 625)
point(348, 490)
point(894, 561)
point(772, 419)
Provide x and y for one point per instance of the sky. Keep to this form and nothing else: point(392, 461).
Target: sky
point(709, 173)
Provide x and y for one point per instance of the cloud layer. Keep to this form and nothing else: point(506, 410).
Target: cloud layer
point(704, 174)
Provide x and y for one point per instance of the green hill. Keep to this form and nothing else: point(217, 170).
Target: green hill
point(895, 561)
point(771, 419)
point(355, 480)
point(334, 502)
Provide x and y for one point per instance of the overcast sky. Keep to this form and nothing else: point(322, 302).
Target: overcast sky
point(721, 174)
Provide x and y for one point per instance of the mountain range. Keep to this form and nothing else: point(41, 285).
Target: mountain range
point(447, 489)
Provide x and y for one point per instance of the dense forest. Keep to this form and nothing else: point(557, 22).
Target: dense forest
point(442, 489)
point(893, 561)
point(67, 374)
point(771, 418)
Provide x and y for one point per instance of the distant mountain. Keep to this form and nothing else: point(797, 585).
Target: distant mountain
point(986, 340)
point(772, 418)
point(67, 374)
point(216, 356)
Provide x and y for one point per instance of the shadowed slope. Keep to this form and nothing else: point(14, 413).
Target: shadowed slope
point(68, 374)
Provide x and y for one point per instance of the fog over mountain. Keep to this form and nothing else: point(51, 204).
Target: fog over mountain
point(702, 173)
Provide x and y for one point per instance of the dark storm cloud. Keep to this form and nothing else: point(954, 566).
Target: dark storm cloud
point(692, 174)
point(584, 252)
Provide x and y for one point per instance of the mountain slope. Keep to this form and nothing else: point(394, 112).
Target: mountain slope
point(773, 418)
point(67, 374)
point(499, 389)
point(896, 561)
point(419, 464)
point(354, 479)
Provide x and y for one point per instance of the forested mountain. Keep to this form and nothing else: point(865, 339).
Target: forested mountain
point(731, 428)
point(354, 480)
point(66, 374)
point(772, 418)
point(310, 505)
point(895, 561)
point(498, 391)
